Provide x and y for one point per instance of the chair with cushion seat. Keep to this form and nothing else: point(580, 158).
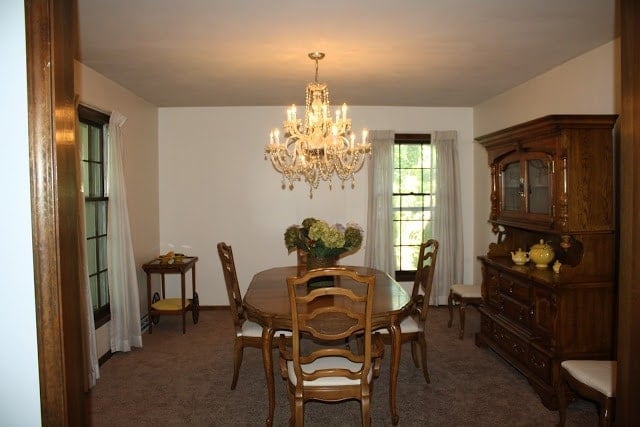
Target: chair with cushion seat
point(248, 333)
point(463, 295)
point(317, 365)
point(413, 326)
point(591, 379)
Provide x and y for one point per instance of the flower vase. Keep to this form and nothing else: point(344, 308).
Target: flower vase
point(320, 262)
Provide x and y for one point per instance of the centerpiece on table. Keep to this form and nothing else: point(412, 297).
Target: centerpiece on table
point(322, 243)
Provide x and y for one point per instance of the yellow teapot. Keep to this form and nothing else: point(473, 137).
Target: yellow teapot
point(541, 254)
point(520, 257)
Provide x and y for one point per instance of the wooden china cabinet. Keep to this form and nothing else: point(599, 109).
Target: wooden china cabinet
point(552, 179)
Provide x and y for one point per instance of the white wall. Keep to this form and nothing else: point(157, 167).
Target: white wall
point(588, 84)
point(20, 389)
point(216, 186)
point(140, 133)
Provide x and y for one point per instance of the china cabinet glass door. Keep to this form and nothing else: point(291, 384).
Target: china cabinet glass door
point(525, 187)
point(512, 186)
point(538, 186)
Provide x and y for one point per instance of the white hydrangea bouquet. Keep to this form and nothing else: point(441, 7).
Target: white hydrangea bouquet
point(321, 240)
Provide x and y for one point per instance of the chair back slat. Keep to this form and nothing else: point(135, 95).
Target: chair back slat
point(423, 281)
point(231, 281)
point(328, 316)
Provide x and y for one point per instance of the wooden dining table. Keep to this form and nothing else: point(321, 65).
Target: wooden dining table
point(267, 303)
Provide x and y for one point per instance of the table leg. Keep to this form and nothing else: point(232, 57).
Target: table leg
point(149, 303)
point(184, 312)
point(267, 342)
point(396, 346)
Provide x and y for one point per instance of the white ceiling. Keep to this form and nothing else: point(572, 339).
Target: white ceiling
point(378, 52)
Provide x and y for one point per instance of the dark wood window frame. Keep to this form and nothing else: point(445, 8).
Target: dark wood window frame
point(99, 120)
point(418, 139)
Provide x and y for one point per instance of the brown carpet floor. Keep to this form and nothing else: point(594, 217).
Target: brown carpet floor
point(184, 380)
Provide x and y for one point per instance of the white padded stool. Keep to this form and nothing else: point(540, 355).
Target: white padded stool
point(463, 295)
point(591, 379)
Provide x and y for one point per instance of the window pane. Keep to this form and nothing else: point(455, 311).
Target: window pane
point(395, 203)
point(94, 144)
point(83, 134)
point(93, 284)
point(396, 233)
point(426, 232)
point(426, 180)
point(409, 257)
point(104, 289)
point(427, 150)
point(410, 156)
point(85, 178)
point(396, 180)
point(91, 256)
point(102, 252)
point(102, 217)
point(96, 183)
point(411, 181)
point(90, 218)
point(411, 232)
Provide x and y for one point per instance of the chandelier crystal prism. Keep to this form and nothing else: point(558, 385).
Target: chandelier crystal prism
point(320, 146)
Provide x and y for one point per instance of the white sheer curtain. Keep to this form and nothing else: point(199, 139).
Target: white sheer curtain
point(378, 251)
point(123, 282)
point(447, 216)
point(92, 365)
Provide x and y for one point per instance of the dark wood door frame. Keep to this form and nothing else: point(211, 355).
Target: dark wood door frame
point(628, 381)
point(51, 40)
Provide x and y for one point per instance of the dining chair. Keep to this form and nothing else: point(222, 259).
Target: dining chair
point(317, 364)
point(463, 295)
point(248, 333)
point(412, 327)
point(591, 379)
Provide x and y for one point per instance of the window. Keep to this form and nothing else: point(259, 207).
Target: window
point(94, 179)
point(413, 199)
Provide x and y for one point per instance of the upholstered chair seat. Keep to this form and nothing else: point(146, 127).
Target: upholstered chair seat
point(591, 379)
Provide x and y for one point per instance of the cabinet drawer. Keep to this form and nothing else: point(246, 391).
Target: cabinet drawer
point(519, 313)
point(515, 289)
point(540, 364)
point(511, 343)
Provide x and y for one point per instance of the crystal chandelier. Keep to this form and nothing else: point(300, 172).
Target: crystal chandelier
point(320, 146)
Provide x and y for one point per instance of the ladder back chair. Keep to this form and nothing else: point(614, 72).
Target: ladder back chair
point(318, 365)
point(248, 333)
point(463, 295)
point(412, 328)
